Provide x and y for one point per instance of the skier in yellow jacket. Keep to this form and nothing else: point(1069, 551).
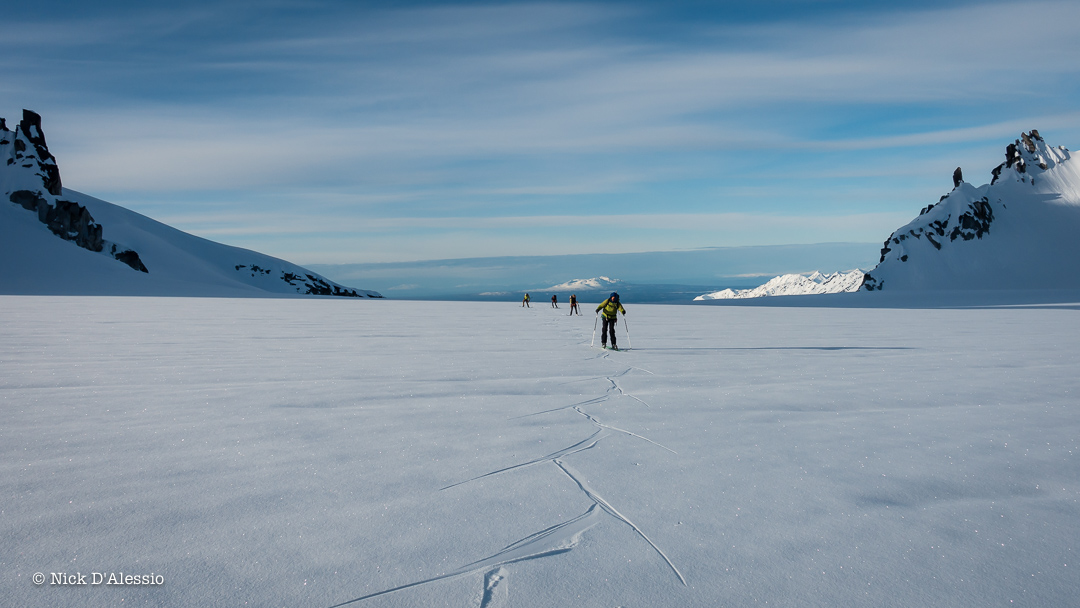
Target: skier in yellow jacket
point(611, 307)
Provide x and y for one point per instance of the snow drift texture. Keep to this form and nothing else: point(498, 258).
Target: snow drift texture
point(1017, 232)
point(57, 241)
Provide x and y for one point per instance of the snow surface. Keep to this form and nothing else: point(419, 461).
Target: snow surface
point(35, 261)
point(286, 452)
point(795, 285)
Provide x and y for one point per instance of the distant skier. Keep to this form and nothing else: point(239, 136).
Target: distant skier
point(525, 301)
point(554, 301)
point(573, 305)
point(611, 307)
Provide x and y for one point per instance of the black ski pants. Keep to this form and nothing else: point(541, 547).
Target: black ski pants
point(608, 330)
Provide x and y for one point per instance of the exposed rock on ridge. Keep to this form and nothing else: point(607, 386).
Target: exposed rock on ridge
point(996, 236)
point(44, 218)
point(33, 182)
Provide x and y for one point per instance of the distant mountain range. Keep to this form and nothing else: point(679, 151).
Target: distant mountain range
point(1018, 232)
point(794, 285)
point(58, 241)
point(594, 284)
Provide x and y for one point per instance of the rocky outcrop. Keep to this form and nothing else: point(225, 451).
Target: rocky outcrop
point(33, 172)
point(29, 132)
point(307, 284)
point(1033, 189)
point(30, 183)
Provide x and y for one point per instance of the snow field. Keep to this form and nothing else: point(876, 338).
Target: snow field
point(314, 452)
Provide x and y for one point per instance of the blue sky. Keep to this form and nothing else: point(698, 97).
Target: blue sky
point(350, 132)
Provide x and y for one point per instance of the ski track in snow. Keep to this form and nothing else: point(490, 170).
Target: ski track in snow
point(606, 506)
point(496, 589)
point(573, 449)
point(559, 538)
point(615, 428)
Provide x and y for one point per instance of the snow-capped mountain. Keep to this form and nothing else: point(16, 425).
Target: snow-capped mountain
point(794, 285)
point(58, 241)
point(1017, 232)
point(593, 284)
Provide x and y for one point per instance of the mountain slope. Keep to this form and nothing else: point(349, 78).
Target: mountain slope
point(593, 284)
point(794, 285)
point(54, 240)
point(1017, 232)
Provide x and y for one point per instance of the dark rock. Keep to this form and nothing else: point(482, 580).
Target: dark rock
point(31, 201)
point(957, 177)
point(70, 221)
point(885, 250)
point(66, 219)
point(975, 223)
point(1030, 145)
point(30, 128)
point(996, 173)
point(130, 258)
point(73, 222)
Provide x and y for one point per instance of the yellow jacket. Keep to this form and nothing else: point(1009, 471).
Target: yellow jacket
point(611, 309)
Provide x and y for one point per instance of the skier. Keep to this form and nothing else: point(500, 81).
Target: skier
point(554, 301)
point(525, 301)
point(611, 307)
point(573, 305)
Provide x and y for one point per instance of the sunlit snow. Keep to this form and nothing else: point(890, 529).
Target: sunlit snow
point(316, 452)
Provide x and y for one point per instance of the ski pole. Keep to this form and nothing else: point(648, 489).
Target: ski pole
point(627, 327)
point(593, 341)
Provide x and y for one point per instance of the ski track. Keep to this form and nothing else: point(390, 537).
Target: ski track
point(555, 540)
point(559, 538)
point(496, 589)
point(606, 506)
point(574, 449)
point(615, 428)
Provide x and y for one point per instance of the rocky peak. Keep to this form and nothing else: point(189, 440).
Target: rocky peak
point(1028, 156)
point(30, 178)
point(26, 149)
point(1033, 199)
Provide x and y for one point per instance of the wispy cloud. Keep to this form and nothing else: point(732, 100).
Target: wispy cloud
point(519, 115)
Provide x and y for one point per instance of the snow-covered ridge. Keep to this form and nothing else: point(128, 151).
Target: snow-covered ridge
point(794, 285)
point(58, 241)
point(1017, 232)
point(593, 284)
